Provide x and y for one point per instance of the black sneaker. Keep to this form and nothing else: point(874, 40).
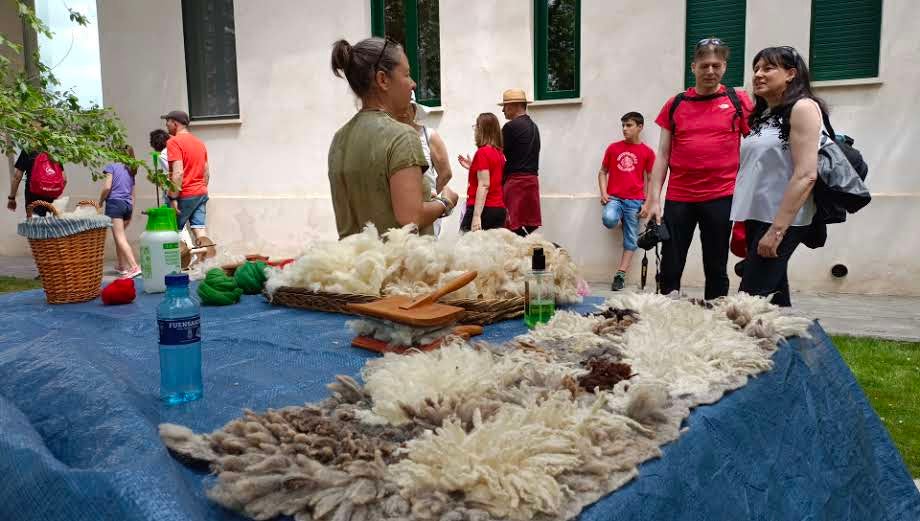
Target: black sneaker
point(619, 282)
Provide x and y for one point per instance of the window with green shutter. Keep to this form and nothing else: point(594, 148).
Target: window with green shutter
point(722, 19)
point(557, 48)
point(845, 39)
point(415, 24)
point(210, 59)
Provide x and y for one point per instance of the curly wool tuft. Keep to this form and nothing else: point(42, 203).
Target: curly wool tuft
point(454, 371)
point(509, 465)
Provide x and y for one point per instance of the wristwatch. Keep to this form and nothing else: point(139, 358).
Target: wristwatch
point(448, 208)
point(11, 197)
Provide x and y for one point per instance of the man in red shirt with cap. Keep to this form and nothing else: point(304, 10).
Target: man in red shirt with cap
point(190, 172)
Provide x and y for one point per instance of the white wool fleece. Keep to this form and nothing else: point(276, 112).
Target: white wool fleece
point(453, 371)
point(692, 349)
point(405, 263)
point(508, 465)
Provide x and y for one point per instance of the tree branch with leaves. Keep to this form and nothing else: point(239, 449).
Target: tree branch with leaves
point(37, 115)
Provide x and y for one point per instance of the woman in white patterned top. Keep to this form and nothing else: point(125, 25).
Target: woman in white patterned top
point(438, 173)
point(779, 159)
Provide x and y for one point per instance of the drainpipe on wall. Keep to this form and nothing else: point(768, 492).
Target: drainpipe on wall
point(30, 47)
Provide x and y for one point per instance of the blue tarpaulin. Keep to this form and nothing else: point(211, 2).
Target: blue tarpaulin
point(79, 416)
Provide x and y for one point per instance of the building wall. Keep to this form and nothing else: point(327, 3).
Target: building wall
point(270, 189)
point(11, 29)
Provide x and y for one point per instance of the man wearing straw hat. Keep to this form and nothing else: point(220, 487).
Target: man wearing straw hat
point(520, 184)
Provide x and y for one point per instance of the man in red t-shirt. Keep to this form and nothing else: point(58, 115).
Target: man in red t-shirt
point(621, 181)
point(189, 170)
point(701, 132)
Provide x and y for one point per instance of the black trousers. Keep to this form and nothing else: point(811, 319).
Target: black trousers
point(765, 276)
point(524, 231)
point(715, 235)
point(492, 217)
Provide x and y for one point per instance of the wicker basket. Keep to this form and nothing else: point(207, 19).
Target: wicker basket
point(71, 266)
point(480, 312)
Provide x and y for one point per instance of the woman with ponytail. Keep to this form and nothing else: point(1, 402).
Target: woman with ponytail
point(375, 162)
point(118, 197)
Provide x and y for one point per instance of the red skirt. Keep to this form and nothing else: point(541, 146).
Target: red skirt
point(522, 200)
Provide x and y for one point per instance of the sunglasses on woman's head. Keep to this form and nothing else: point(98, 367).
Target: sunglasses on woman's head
point(386, 41)
point(709, 41)
point(795, 54)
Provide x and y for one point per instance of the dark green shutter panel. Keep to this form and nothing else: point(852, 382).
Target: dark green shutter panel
point(722, 19)
point(845, 39)
point(210, 59)
point(416, 25)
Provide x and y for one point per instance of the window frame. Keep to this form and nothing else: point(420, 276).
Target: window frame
point(541, 54)
point(188, 73)
point(378, 29)
point(819, 75)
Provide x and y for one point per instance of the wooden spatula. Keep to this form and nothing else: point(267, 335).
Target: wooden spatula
point(419, 312)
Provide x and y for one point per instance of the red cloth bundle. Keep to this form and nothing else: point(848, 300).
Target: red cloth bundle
point(120, 291)
point(739, 240)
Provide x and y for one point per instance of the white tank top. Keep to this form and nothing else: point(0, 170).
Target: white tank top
point(764, 173)
point(424, 136)
point(431, 175)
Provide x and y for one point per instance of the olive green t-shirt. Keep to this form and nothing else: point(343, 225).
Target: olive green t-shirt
point(364, 153)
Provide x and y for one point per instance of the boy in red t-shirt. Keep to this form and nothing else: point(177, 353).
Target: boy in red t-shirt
point(621, 181)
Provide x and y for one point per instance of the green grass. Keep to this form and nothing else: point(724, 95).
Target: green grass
point(889, 373)
point(11, 284)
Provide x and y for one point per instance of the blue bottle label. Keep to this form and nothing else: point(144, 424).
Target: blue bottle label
point(180, 331)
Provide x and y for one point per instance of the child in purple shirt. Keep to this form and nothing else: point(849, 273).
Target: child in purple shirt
point(118, 196)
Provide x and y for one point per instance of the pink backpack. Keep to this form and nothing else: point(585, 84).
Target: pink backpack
point(47, 177)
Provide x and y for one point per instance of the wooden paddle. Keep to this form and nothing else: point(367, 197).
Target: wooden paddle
point(372, 344)
point(420, 312)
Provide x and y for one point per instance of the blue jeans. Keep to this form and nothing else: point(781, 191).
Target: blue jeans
point(193, 210)
point(627, 211)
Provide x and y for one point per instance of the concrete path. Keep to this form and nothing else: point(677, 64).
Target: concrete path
point(896, 318)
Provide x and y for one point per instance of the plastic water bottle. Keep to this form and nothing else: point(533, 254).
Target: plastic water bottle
point(179, 318)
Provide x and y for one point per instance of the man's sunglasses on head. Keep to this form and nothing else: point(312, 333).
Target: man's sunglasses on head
point(709, 41)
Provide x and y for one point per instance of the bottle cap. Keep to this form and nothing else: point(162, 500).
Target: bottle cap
point(176, 280)
point(538, 260)
point(161, 219)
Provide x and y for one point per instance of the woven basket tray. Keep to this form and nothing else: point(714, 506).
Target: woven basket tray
point(71, 266)
point(480, 312)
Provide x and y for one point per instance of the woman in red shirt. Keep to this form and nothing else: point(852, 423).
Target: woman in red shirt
point(485, 208)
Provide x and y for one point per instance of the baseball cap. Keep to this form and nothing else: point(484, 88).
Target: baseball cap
point(178, 115)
